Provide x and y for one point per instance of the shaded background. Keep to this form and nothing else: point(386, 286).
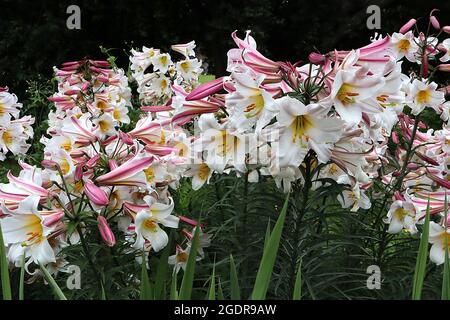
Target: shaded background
point(34, 36)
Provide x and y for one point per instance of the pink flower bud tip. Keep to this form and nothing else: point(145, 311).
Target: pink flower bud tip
point(316, 58)
point(407, 26)
point(95, 194)
point(435, 23)
point(105, 231)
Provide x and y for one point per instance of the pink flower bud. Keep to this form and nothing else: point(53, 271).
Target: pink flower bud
point(407, 26)
point(395, 137)
point(187, 220)
point(396, 173)
point(446, 29)
point(444, 67)
point(93, 161)
point(78, 172)
point(317, 58)
point(427, 159)
point(206, 89)
point(439, 181)
point(412, 166)
point(398, 196)
point(95, 194)
point(105, 231)
point(50, 164)
point(435, 23)
point(126, 138)
point(53, 218)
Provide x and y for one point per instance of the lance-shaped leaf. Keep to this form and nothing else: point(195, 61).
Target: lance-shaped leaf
point(269, 255)
point(421, 261)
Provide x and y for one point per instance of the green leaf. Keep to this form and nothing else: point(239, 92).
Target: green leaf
point(267, 237)
point(146, 287)
point(6, 285)
point(22, 278)
point(235, 290)
point(212, 285)
point(421, 261)
point(446, 277)
point(298, 283)
point(161, 273)
point(52, 283)
point(269, 255)
point(188, 277)
point(220, 295)
point(203, 78)
point(173, 288)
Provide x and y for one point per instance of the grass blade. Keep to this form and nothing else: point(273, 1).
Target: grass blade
point(161, 273)
point(212, 285)
point(234, 282)
point(173, 288)
point(22, 278)
point(52, 282)
point(298, 283)
point(146, 287)
point(422, 255)
point(6, 285)
point(188, 277)
point(269, 255)
point(220, 295)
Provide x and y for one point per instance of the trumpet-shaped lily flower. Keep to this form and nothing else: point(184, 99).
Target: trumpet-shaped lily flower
point(302, 129)
point(25, 231)
point(148, 220)
point(355, 92)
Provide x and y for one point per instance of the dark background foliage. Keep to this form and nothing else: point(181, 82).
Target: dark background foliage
point(34, 36)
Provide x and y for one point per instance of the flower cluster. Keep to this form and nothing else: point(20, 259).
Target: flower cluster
point(156, 87)
point(95, 176)
point(352, 117)
point(14, 131)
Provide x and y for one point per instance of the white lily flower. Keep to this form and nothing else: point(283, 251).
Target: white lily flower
point(250, 104)
point(302, 129)
point(424, 95)
point(402, 215)
point(147, 223)
point(404, 45)
point(25, 231)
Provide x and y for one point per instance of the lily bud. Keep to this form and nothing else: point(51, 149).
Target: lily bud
point(444, 67)
point(206, 89)
point(439, 181)
point(53, 219)
point(398, 196)
point(435, 23)
point(126, 138)
point(93, 161)
point(95, 194)
point(395, 138)
point(446, 29)
point(78, 172)
point(427, 159)
point(105, 231)
point(50, 164)
point(317, 58)
point(407, 26)
point(412, 166)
